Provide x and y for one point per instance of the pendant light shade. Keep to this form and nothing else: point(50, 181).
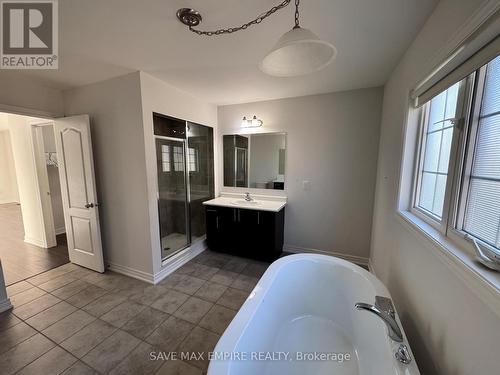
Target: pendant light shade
point(298, 52)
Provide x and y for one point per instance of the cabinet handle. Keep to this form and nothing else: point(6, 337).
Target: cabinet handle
point(234, 215)
point(217, 222)
point(239, 215)
point(258, 218)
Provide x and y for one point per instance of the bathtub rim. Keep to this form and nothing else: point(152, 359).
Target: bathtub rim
point(234, 332)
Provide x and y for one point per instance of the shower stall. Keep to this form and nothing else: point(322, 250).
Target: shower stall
point(185, 170)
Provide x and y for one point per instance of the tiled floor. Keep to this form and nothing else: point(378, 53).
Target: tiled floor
point(70, 320)
point(21, 260)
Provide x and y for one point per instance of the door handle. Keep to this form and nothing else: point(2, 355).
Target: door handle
point(89, 205)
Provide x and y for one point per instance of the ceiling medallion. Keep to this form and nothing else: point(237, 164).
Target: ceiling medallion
point(297, 52)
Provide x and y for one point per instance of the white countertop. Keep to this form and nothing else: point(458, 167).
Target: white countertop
point(260, 202)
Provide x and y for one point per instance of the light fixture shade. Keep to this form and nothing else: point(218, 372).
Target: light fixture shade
point(298, 52)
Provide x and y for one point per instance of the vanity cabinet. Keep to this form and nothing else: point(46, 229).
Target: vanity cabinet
point(245, 232)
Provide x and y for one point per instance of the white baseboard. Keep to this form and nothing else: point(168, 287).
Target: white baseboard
point(36, 242)
point(170, 266)
point(178, 260)
point(131, 272)
point(60, 230)
point(370, 266)
point(5, 305)
point(362, 261)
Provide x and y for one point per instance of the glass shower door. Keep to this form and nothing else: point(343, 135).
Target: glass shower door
point(172, 195)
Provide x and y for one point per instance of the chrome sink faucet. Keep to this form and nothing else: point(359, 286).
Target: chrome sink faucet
point(248, 198)
point(384, 309)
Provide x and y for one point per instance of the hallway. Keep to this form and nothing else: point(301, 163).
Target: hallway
point(21, 260)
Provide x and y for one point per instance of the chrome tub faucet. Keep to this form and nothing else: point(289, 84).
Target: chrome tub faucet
point(384, 309)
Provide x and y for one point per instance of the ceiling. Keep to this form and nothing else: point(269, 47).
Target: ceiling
point(103, 39)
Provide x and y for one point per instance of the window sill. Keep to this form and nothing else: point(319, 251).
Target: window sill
point(482, 281)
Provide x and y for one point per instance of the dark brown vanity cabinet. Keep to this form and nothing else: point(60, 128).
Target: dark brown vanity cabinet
point(245, 232)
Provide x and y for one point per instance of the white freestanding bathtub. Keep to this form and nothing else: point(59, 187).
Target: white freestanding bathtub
point(301, 309)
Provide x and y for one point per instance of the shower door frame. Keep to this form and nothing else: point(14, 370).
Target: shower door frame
point(187, 202)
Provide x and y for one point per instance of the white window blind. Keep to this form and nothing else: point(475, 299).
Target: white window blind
point(482, 216)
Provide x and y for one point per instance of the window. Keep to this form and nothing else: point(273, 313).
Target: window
point(457, 179)
point(178, 159)
point(482, 199)
point(439, 120)
point(165, 158)
point(193, 159)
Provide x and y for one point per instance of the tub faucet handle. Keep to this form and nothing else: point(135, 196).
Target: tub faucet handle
point(403, 354)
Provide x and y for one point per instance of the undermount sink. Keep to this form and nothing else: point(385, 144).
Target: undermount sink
point(244, 202)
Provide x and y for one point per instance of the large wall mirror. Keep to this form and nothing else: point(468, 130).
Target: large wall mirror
point(255, 160)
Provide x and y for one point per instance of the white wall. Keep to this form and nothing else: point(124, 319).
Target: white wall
point(160, 97)
point(22, 150)
point(451, 330)
point(49, 145)
point(24, 95)
point(332, 142)
point(115, 113)
point(8, 182)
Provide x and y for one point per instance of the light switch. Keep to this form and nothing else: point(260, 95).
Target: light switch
point(306, 185)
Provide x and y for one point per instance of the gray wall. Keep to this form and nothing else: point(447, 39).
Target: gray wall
point(332, 142)
point(115, 113)
point(451, 329)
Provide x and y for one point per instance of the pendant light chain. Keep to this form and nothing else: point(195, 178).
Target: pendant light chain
point(297, 2)
point(256, 21)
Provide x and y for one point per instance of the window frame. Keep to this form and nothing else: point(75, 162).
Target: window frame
point(462, 153)
point(456, 231)
point(441, 224)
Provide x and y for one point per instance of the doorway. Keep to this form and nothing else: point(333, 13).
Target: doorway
point(32, 234)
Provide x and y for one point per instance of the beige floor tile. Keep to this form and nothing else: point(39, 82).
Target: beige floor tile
point(233, 298)
point(169, 334)
point(217, 319)
point(170, 301)
point(51, 315)
point(54, 361)
point(193, 309)
point(88, 338)
point(68, 326)
point(211, 291)
point(108, 354)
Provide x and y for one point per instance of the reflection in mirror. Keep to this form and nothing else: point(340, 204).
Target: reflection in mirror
point(255, 160)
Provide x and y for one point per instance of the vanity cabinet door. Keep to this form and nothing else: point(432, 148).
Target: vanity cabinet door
point(213, 228)
point(248, 232)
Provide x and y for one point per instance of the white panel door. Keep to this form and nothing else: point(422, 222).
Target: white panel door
point(76, 171)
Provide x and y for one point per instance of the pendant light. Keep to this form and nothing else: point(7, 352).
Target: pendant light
point(298, 52)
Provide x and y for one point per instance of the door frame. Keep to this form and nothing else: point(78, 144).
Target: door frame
point(40, 115)
point(42, 181)
point(184, 143)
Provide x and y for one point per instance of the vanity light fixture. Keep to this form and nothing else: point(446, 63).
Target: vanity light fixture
point(297, 52)
point(251, 123)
